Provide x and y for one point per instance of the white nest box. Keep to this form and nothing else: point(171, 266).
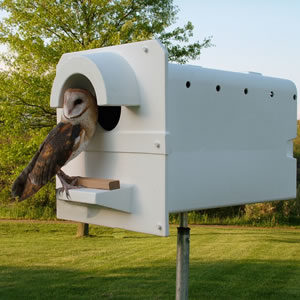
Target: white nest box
point(178, 137)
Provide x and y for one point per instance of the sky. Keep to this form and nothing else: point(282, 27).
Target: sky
point(258, 35)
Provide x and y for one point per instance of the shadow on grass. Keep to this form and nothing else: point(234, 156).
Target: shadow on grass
point(287, 241)
point(215, 280)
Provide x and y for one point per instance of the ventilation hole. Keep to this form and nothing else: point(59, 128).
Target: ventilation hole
point(246, 91)
point(109, 116)
point(188, 84)
point(218, 88)
point(271, 94)
point(295, 97)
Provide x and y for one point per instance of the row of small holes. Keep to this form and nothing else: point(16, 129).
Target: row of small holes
point(218, 89)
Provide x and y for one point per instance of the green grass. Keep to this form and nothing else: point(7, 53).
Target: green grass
point(21, 212)
point(47, 261)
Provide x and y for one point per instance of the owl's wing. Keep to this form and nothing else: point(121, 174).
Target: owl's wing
point(52, 155)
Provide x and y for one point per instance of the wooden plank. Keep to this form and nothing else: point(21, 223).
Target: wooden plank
point(99, 183)
point(82, 229)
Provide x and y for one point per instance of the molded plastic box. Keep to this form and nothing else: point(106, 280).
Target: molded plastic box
point(188, 137)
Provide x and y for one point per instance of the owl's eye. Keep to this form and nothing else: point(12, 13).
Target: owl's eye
point(77, 101)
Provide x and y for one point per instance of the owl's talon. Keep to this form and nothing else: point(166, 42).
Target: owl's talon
point(68, 195)
point(60, 190)
point(74, 181)
point(67, 183)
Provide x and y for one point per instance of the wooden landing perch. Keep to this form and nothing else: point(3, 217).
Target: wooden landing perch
point(99, 183)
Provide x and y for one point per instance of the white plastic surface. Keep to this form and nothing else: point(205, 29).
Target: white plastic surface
point(119, 199)
point(97, 73)
point(231, 146)
point(147, 174)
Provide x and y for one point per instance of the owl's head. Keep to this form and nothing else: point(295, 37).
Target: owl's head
point(78, 103)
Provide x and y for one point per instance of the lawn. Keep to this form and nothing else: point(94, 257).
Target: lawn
point(47, 261)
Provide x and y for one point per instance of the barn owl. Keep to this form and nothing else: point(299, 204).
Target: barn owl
point(64, 142)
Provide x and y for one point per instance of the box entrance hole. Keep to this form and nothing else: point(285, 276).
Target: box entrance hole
point(109, 116)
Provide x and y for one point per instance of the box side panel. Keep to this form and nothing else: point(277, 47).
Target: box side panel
point(230, 138)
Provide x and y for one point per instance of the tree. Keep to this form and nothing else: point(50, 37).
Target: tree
point(38, 32)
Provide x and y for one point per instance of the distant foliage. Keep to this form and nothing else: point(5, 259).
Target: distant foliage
point(297, 146)
point(281, 211)
point(36, 34)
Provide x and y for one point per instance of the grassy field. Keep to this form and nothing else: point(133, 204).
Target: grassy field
point(47, 261)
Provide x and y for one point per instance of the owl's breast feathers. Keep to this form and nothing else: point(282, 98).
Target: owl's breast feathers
point(61, 142)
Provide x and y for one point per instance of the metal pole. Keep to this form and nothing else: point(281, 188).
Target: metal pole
point(182, 262)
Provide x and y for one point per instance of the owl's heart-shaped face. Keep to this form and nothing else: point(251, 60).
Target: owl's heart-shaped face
point(76, 102)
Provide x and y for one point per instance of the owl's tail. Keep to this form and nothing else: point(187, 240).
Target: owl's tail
point(22, 186)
